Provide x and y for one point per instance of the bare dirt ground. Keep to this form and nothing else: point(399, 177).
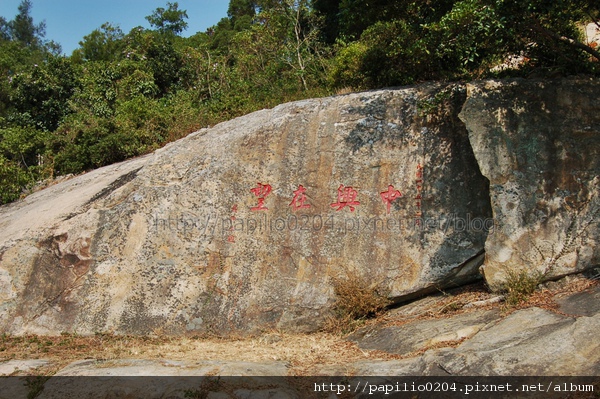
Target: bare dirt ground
point(302, 352)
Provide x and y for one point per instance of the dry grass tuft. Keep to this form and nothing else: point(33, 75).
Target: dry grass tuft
point(356, 301)
point(544, 297)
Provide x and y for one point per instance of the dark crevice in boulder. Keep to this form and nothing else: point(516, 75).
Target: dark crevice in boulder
point(119, 182)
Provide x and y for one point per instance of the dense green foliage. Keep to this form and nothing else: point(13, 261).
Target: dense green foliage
point(121, 95)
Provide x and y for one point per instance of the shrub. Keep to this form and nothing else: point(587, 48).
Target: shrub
point(13, 179)
point(346, 67)
point(520, 284)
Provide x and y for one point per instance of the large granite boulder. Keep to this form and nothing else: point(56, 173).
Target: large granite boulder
point(247, 226)
point(538, 142)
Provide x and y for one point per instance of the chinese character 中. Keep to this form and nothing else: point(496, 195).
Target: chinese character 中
point(299, 199)
point(346, 198)
point(390, 196)
point(261, 191)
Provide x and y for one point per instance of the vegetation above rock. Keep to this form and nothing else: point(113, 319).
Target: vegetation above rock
point(120, 94)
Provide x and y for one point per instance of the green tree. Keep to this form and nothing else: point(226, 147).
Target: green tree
point(41, 95)
point(553, 27)
point(22, 28)
point(4, 29)
point(13, 179)
point(23, 146)
point(220, 35)
point(240, 8)
point(464, 39)
point(329, 11)
point(104, 44)
point(157, 52)
point(280, 56)
point(170, 20)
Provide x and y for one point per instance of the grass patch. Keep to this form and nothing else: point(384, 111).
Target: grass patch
point(520, 285)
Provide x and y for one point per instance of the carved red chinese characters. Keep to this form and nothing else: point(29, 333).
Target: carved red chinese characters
point(419, 182)
point(261, 191)
point(390, 196)
point(298, 202)
point(346, 197)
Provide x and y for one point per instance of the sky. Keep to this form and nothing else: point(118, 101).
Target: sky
point(68, 21)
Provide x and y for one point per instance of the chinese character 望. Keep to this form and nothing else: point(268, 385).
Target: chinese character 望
point(261, 191)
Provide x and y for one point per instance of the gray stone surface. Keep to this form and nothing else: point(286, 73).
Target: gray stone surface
point(18, 387)
point(11, 367)
point(422, 334)
point(519, 345)
point(538, 143)
point(136, 378)
point(585, 303)
point(528, 342)
point(13, 388)
point(137, 367)
point(174, 243)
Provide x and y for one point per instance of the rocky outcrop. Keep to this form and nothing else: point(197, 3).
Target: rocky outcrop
point(538, 143)
point(250, 225)
point(245, 226)
point(491, 344)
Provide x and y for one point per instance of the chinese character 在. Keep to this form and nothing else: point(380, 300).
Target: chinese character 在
point(261, 191)
point(346, 197)
point(299, 199)
point(390, 196)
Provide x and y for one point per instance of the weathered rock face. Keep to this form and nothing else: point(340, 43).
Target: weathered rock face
point(243, 226)
point(247, 226)
point(539, 145)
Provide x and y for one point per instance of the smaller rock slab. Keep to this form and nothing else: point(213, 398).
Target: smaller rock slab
point(532, 341)
point(13, 367)
point(421, 334)
point(586, 303)
point(135, 378)
point(137, 367)
point(537, 143)
point(18, 387)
